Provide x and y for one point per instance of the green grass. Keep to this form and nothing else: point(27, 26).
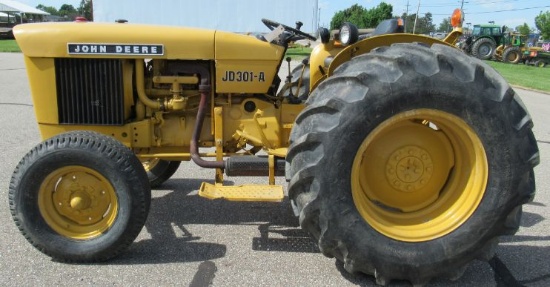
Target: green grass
point(9, 46)
point(524, 75)
point(298, 52)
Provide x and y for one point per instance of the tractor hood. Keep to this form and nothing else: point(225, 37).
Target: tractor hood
point(87, 39)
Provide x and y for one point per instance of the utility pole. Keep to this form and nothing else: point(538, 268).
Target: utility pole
point(406, 17)
point(416, 18)
point(462, 10)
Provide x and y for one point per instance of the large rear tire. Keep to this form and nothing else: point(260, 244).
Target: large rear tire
point(431, 157)
point(80, 197)
point(484, 48)
point(512, 55)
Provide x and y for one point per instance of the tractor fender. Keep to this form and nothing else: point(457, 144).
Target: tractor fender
point(368, 44)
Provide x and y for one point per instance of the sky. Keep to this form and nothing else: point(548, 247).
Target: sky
point(511, 13)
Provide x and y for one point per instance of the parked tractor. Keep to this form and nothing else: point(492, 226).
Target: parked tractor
point(537, 57)
point(484, 40)
point(405, 158)
point(512, 48)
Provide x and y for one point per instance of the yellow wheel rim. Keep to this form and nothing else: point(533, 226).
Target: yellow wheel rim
point(77, 202)
point(149, 164)
point(419, 175)
point(513, 57)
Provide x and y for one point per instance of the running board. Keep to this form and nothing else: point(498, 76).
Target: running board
point(250, 192)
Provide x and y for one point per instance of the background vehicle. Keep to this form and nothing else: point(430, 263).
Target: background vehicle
point(6, 30)
point(512, 48)
point(484, 40)
point(388, 143)
point(537, 56)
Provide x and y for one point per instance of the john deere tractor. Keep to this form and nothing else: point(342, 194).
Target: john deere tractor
point(484, 40)
point(537, 57)
point(405, 158)
point(512, 48)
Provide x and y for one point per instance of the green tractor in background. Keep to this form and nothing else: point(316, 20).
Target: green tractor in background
point(537, 57)
point(484, 40)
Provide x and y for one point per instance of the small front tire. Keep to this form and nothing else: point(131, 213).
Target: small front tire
point(80, 197)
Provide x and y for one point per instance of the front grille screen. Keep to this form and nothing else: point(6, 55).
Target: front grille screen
point(89, 91)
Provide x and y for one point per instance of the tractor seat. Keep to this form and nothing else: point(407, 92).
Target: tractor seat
point(388, 26)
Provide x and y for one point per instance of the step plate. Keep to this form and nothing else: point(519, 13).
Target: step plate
point(252, 192)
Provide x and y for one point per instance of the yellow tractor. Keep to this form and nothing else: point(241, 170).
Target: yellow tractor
point(512, 48)
point(405, 158)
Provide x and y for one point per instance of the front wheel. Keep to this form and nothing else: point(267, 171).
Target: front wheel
point(512, 55)
point(431, 156)
point(80, 197)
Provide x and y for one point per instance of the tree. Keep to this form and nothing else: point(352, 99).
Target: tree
point(378, 14)
point(542, 21)
point(48, 9)
point(353, 14)
point(362, 17)
point(524, 29)
point(67, 10)
point(424, 25)
point(445, 25)
point(86, 9)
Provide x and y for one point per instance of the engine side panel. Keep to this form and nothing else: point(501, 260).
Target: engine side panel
point(245, 64)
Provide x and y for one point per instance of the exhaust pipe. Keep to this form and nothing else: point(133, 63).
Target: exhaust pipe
point(250, 165)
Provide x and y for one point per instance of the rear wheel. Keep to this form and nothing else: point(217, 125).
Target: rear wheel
point(421, 183)
point(512, 55)
point(484, 49)
point(159, 170)
point(80, 196)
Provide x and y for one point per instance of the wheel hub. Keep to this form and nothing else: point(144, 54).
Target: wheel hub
point(78, 202)
point(485, 49)
point(409, 169)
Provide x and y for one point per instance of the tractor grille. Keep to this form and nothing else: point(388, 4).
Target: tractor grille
point(89, 91)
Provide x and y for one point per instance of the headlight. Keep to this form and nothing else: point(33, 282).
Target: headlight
point(348, 34)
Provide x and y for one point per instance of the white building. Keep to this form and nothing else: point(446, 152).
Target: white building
point(227, 15)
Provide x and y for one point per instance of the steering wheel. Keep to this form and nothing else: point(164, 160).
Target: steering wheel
point(272, 25)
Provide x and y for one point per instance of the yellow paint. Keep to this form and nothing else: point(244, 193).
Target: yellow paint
point(41, 73)
point(419, 175)
point(251, 192)
point(365, 46)
point(317, 59)
point(246, 63)
point(218, 139)
point(255, 127)
point(50, 39)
